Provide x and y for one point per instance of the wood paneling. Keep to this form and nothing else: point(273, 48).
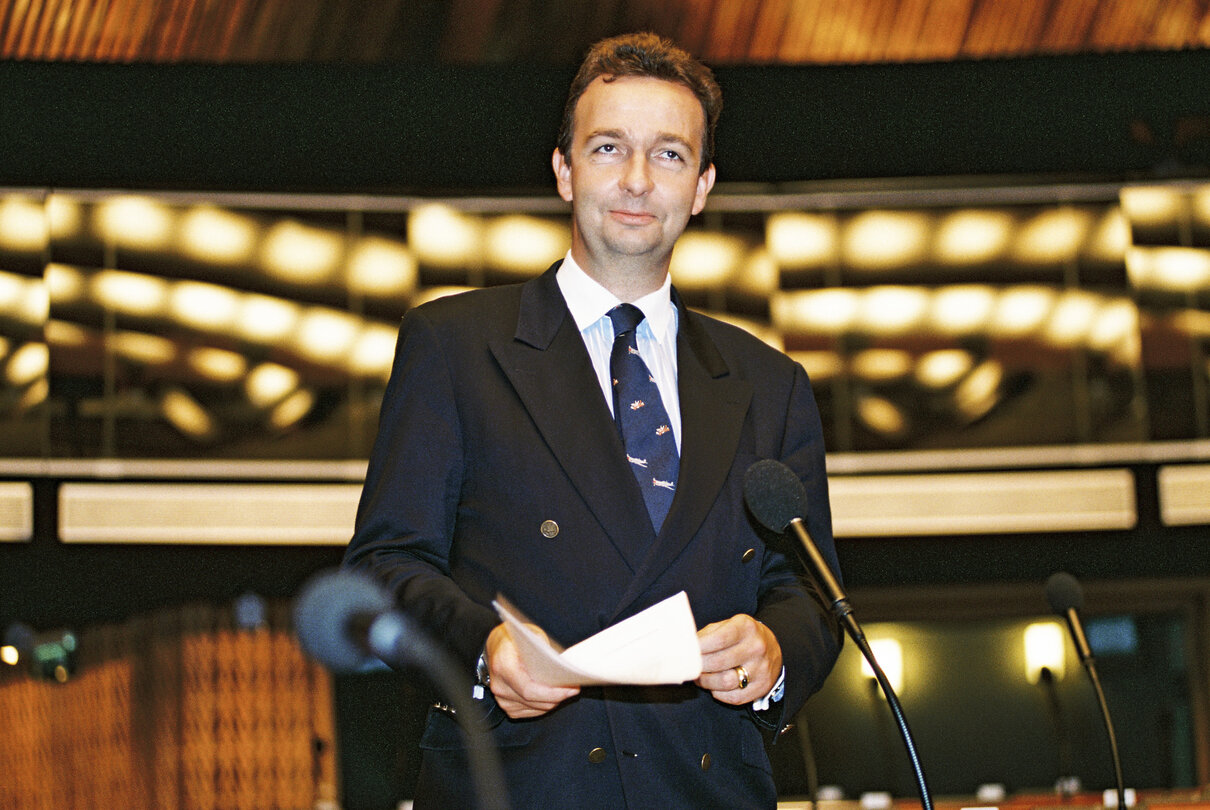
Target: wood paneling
point(503, 31)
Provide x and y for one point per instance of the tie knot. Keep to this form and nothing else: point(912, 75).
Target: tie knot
point(625, 318)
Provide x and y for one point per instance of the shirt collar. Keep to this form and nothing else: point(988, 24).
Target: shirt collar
point(588, 301)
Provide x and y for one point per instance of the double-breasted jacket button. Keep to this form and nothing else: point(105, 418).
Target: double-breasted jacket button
point(596, 756)
point(705, 762)
point(748, 555)
point(549, 529)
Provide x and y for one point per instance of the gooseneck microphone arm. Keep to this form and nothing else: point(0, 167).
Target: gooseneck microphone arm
point(1066, 597)
point(344, 620)
point(778, 501)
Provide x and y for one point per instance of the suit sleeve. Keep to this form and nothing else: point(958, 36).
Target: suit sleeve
point(405, 519)
point(809, 636)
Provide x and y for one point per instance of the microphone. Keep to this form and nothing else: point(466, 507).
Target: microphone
point(345, 620)
point(1066, 597)
point(335, 616)
point(778, 500)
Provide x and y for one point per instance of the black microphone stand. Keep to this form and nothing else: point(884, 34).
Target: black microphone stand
point(1090, 665)
point(833, 595)
point(398, 642)
point(345, 619)
point(844, 612)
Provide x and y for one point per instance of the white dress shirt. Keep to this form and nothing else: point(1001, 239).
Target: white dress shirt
point(589, 304)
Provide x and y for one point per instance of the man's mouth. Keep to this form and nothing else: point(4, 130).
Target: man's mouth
point(632, 217)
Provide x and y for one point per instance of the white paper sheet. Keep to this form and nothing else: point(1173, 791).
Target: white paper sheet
point(657, 646)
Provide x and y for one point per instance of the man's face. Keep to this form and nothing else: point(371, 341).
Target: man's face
point(631, 173)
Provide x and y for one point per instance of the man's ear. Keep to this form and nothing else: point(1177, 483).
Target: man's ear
point(705, 182)
point(563, 174)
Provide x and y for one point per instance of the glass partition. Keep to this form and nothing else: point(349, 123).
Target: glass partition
point(179, 325)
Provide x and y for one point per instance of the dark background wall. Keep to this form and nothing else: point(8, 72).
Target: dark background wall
point(435, 128)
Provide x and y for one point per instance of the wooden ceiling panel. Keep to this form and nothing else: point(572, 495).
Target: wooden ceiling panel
point(724, 32)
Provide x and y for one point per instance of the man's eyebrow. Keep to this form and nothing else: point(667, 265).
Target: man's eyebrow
point(662, 137)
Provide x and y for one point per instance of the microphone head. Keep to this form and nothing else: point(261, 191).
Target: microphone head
point(326, 605)
point(1064, 593)
point(774, 494)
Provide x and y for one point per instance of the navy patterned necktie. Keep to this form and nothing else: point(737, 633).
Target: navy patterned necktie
point(639, 411)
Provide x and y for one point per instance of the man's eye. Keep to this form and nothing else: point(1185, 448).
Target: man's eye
point(669, 154)
point(607, 148)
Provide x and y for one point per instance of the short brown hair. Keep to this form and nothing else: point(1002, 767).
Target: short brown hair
point(654, 57)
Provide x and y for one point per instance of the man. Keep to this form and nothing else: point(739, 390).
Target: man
point(499, 468)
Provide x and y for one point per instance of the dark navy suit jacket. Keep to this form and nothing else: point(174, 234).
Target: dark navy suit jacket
point(494, 436)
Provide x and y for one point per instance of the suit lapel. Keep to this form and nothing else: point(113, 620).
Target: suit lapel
point(713, 404)
point(548, 366)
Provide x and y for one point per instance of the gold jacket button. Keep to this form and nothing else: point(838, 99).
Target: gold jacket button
point(748, 555)
point(596, 755)
point(705, 762)
point(549, 529)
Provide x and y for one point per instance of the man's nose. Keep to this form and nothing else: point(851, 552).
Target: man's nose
point(637, 178)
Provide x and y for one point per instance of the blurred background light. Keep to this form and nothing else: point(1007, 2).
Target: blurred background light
point(186, 414)
point(1052, 236)
point(134, 222)
point(1116, 323)
point(1201, 205)
point(129, 293)
point(885, 239)
point(892, 310)
point(65, 334)
point(962, 310)
point(373, 351)
point(28, 363)
point(944, 367)
point(1021, 311)
point(881, 365)
point(829, 311)
point(34, 394)
point(292, 410)
point(442, 236)
point(889, 655)
point(301, 254)
point(1110, 237)
point(1045, 647)
point(1151, 205)
point(64, 284)
point(525, 244)
point(204, 306)
point(217, 365)
point(706, 259)
point(325, 335)
point(820, 366)
point(972, 236)
point(881, 415)
point(23, 224)
point(270, 383)
point(264, 319)
point(381, 267)
point(1174, 269)
point(142, 347)
point(218, 236)
point(978, 393)
point(799, 240)
point(758, 274)
point(1072, 318)
point(65, 216)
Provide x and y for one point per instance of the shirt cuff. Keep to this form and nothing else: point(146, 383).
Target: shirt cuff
point(779, 690)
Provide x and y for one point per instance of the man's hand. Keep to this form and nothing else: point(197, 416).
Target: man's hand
point(516, 692)
point(733, 648)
